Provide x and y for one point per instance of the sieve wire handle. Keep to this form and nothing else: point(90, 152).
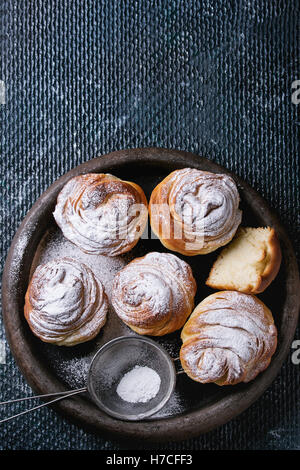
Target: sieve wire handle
point(180, 371)
point(59, 395)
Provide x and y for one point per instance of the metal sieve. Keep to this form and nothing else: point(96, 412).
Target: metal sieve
point(108, 366)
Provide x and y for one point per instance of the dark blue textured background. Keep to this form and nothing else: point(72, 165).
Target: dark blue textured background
point(84, 78)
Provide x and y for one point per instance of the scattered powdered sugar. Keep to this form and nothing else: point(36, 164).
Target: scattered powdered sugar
point(175, 405)
point(139, 385)
point(72, 364)
point(72, 370)
point(55, 245)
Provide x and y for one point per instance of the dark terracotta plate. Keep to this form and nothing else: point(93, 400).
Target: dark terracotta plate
point(195, 408)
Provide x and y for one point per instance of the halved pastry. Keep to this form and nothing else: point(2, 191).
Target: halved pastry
point(249, 263)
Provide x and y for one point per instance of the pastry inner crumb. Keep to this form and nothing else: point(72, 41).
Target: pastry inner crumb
point(242, 263)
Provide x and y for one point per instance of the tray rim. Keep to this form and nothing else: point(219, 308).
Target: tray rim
point(41, 380)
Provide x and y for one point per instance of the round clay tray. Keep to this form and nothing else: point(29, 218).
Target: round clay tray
point(195, 408)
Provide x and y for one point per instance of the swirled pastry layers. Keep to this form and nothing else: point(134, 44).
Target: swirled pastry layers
point(229, 338)
point(65, 304)
point(154, 294)
point(195, 212)
point(101, 214)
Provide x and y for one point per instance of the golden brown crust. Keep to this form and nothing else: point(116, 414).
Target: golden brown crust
point(229, 338)
point(65, 304)
point(154, 294)
point(194, 212)
point(102, 214)
point(273, 265)
point(272, 261)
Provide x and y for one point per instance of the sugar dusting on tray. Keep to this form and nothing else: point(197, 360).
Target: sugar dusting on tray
point(54, 245)
point(74, 370)
point(139, 385)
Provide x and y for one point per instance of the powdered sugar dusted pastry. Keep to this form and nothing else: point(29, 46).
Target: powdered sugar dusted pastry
point(154, 294)
point(195, 212)
point(65, 304)
point(102, 214)
point(229, 338)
